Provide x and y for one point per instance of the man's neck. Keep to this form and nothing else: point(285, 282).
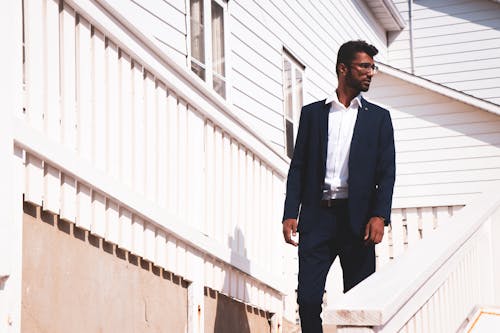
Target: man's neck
point(346, 95)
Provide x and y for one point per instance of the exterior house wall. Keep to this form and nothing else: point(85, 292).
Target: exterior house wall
point(454, 43)
point(257, 33)
point(446, 151)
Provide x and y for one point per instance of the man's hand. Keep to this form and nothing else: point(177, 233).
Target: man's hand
point(374, 230)
point(289, 230)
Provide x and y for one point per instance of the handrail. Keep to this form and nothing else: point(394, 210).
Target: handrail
point(404, 283)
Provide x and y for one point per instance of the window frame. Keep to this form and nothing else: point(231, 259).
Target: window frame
point(208, 43)
point(297, 99)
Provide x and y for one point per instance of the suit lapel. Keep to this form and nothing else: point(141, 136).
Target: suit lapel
point(360, 128)
point(323, 124)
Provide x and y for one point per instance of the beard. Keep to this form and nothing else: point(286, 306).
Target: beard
point(356, 84)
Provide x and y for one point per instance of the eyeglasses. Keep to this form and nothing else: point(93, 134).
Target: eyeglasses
point(366, 66)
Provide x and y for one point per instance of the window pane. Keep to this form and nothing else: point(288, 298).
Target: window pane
point(298, 91)
point(289, 138)
point(287, 66)
point(197, 32)
point(218, 52)
point(220, 85)
point(198, 69)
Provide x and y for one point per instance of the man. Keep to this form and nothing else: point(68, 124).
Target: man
point(341, 179)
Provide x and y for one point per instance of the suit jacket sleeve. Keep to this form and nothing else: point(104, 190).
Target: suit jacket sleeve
point(295, 180)
point(386, 170)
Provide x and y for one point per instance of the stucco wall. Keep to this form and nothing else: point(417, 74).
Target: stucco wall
point(76, 283)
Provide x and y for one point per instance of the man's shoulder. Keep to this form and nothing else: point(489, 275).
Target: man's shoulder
point(311, 107)
point(373, 107)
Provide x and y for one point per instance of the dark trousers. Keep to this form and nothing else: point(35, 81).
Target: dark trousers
point(318, 248)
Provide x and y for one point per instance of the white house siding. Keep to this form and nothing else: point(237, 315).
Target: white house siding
point(447, 151)
point(311, 31)
point(455, 43)
point(164, 20)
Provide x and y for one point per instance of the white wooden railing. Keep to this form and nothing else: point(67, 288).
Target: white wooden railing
point(121, 141)
point(435, 284)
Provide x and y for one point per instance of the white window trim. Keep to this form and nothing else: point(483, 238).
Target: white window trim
point(207, 8)
point(296, 105)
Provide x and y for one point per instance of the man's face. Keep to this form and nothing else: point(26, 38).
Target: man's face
point(359, 73)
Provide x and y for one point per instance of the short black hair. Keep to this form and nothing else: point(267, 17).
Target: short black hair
point(347, 52)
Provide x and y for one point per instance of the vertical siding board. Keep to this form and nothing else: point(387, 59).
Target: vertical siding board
point(161, 249)
point(98, 226)
point(196, 165)
point(112, 233)
point(412, 226)
point(99, 110)
point(68, 198)
point(126, 120)
point(52, 113)
point(52, 189)
point(182, 157)
point(84, 88)
point(247, 235)
point(68, 77)
point(151, 110)
point(210, 160)
point(125, 229)
point(235, 192)
point(243, 202)
point(34, 179)
point(162, 139)
point(218, 186)
point(397, 232)
point(171, 254)
point(173, 151)
point(137, 236)
point(226, 179)
point(35, 60)
point(139, 131)
point(113, 119)
point(84, 206)
point(149, 241)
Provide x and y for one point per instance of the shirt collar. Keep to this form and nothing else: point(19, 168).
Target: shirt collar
point(333, 98)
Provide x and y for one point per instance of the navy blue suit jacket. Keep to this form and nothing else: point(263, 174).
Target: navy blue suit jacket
point(371, 166)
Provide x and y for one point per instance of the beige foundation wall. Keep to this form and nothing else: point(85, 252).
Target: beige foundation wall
point(226, 315)
point(74, 282)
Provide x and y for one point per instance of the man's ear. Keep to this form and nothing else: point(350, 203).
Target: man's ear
point(342, 69)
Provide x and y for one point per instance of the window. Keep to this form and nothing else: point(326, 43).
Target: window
point(293, 73)
point(208, 51)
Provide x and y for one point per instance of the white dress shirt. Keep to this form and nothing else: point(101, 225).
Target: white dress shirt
point(341, 121)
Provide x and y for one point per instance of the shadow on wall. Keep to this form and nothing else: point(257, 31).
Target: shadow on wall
point(232, 315)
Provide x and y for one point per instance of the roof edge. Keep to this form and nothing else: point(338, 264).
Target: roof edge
point(396, 15)
point(440, 89)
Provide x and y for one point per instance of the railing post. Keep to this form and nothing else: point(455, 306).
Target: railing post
point(10, 198)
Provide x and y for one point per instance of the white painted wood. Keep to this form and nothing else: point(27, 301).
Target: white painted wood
point(34, 180)
point(137, 236)
point(114, 111)
point(98, 224)
point(161, 249)
point(68, 198)
point(52, 116)
point(68, 77)
point(139, 123)
point(150, 108)
point(149, 242)
point(52, 189)
point(12, 168)
point(126, 120)
point(397, 232)
point(112, 222)
point(84, 206)
point(125, 229)
point(84, 88)
point(451, 245)
point(412, 228)
point(182, 190)
point(162, 148)
point(35, 59)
